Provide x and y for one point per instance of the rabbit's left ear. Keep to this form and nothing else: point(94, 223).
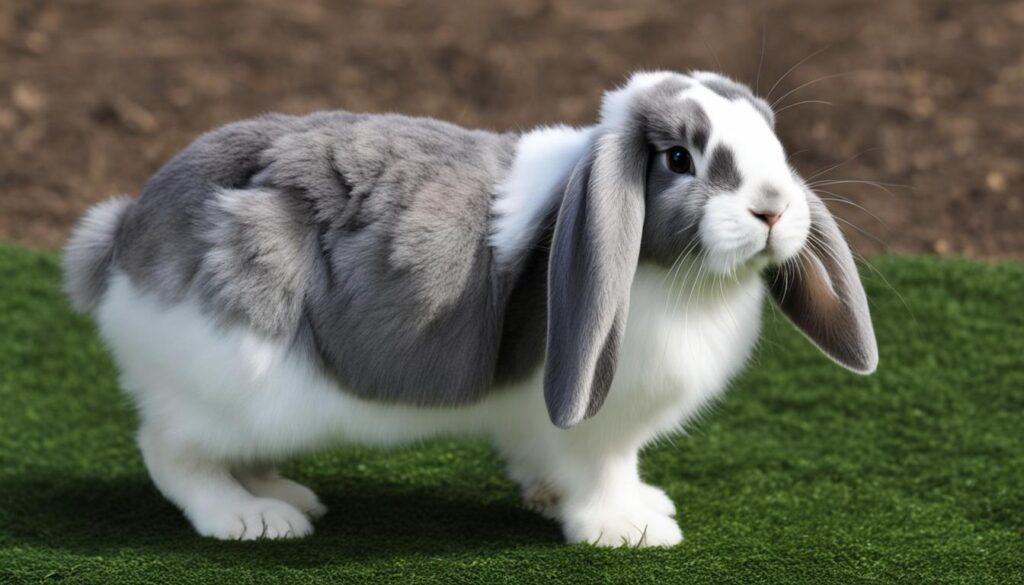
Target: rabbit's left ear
point(594, 254)
point(821, 293)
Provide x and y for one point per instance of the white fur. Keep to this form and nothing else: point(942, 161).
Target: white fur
point(730, 233)
point(219, 405)
point(615, 103)
point(544, 157)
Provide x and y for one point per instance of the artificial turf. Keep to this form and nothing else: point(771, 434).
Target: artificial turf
point(803, 474)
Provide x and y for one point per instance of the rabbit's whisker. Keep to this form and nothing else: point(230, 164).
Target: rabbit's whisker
point(839, 164)
point(788, 106)
point(793, 68)
point(837, 198)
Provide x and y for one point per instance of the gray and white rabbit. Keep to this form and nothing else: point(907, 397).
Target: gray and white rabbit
point(289, 283)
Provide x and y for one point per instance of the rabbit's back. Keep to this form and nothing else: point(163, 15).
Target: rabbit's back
point(360, 238)
point(161, 241)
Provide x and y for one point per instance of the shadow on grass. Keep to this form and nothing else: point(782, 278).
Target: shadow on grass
point(371, 521)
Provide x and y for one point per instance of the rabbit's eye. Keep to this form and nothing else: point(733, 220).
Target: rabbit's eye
point(679, 160)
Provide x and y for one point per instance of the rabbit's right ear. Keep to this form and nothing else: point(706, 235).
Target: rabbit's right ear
point(594, 253)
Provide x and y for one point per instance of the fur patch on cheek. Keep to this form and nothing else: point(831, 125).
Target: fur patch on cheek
point(722, 172)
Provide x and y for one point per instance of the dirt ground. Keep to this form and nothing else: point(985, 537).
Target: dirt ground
point(926, 97)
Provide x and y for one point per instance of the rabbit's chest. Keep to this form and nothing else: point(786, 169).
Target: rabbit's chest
point(684, 343)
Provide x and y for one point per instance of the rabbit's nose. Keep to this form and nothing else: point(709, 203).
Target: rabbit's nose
point(769, 217)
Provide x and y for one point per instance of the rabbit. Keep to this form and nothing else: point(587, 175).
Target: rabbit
point(289, 283)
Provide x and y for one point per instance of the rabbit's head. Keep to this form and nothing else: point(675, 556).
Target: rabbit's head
point(689, 166)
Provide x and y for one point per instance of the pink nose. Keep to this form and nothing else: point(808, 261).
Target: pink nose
point(769, 217)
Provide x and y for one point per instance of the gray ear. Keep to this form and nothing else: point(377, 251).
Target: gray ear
point(594, 253)
point(821, 293)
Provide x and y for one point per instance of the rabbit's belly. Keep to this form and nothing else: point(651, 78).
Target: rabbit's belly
point(236, 394)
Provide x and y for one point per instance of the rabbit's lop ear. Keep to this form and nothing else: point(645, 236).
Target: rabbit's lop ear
point(594, 254)
point(820, 292)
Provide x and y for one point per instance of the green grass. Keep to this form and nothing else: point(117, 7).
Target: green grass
point(803, 474)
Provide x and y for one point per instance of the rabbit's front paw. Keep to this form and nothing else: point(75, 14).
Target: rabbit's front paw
point(268, 484)
point(254, 519)
point(656, 499)
point(636, 525)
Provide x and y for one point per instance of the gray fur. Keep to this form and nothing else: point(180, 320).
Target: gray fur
point(409, 304)
point(365, 234)
point(593, 258)
point(698, 128)
point(162, 241)
point(667, 121)
point(260, 258)
point(673, 213)
point(722, 171)
point(673, 208)
point(363, 240)
point(89, 253)
point(523, 342)
point(821, 293)
point(699, 137)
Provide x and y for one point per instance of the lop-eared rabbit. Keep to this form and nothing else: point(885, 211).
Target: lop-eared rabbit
point(288, 283)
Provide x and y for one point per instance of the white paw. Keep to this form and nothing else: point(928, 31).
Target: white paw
point(253, 519)
point(315, 511)
point(286, 490)
point(635, 526)
point(656, 499)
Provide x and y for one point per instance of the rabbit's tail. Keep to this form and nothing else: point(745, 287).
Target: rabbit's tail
point(89, 253)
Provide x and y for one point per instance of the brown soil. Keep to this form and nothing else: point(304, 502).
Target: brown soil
point(95, 96)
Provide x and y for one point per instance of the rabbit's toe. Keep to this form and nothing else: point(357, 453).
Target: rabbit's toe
point(614, 526)
point(271, 485)
point(255, 519)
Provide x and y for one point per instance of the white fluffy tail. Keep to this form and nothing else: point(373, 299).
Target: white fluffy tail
point(90, 252)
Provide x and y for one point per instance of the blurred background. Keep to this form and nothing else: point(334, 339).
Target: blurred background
point(925, 112)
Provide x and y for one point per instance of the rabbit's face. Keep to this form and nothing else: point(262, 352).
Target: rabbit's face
point(718, 183)
point(688, 165)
